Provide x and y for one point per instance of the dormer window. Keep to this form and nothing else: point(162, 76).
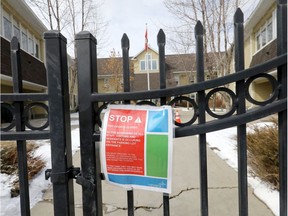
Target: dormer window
point(148, 63)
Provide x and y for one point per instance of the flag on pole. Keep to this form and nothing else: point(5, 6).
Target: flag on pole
point(146, 39)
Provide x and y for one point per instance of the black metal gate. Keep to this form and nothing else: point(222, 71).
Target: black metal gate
point(91, 103)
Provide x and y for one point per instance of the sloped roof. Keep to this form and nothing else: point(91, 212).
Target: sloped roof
point(180, 62)
point(268, 52)
point(143, 50)
point(106, 65)
point(101, 64)
point(187, 62)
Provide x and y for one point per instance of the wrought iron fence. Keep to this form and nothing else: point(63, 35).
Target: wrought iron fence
point(92, 103)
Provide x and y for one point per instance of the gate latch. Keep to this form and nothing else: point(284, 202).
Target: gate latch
point(62, 177)
point(85, 182)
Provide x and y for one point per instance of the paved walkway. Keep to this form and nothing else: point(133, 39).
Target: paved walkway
point(185, 198)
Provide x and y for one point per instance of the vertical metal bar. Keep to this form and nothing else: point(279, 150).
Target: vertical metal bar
point(90, 155)
point(282, 116)
point(161, 39)
point(126, 70)
point(166, 204)
point(59, 118)
point(126, 79)
point(241, 129)
point(20, 126)
point(130, 202)
point(199, 32)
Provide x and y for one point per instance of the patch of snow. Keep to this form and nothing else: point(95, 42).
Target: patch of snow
point(225, 143)
point(38, 185)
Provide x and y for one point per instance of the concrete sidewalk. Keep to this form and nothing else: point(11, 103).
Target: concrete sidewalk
point(185, 197)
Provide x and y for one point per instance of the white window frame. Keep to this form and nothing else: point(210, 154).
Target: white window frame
point(150, 62)
point(16, 25)
point(264, 28)
point(32, 49)
point(7, 17)
point(24, 44)
point(37, 51)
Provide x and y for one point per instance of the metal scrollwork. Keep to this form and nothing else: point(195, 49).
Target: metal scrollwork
point(7, 117)
point(191, 103)
point(36, 123)
point(274, 85)
point(150, 103)
point(231, 99)
point(34, 120)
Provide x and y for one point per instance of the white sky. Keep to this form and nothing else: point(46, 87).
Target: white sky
point(130, 17)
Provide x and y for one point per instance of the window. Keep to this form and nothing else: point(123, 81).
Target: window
point(24, 41)
point(12, 27)
point(148, 63)
point(263, 37)
point(37, 50)
point(142, 65)
point(269, 31)
point(30, 46)
point(16, 32)
point(266, 33)
point(258, 41)
point(154, 65)
point(7, 28)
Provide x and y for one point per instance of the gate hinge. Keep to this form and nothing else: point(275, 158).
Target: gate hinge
point(62, 177)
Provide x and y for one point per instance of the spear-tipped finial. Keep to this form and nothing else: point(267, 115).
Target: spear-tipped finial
point(161, 38)
point(199, 28)
point(239, 16)
point(125, 41)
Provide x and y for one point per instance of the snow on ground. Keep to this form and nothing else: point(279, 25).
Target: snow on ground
point(38, 185)
point(223, 142)
point(225, 146)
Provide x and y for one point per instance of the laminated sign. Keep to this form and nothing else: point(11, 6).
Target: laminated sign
point(136, 147)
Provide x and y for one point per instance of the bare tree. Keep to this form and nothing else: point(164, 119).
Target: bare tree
point(71, 17)
point(112, 68)
point(216, 17)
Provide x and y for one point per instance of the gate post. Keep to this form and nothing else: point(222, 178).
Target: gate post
point(20, 126)
point(199, 32)
point(282, 116)
point(125, 45)
point(241, 129)
point(90, 152)
point(59, 119)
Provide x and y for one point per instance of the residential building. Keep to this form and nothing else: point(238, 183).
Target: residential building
point(260, 44)
point(17, 19)
point(144, 69)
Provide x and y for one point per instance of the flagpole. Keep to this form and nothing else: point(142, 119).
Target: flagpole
point(147, 68)
point(147, 59)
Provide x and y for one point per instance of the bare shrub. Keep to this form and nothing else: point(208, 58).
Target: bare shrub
point(262, 144)
point(9, 162)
